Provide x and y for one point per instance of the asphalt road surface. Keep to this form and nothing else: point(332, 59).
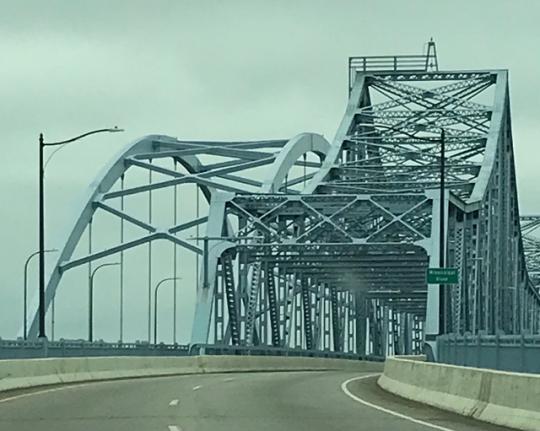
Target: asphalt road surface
point(300, 401)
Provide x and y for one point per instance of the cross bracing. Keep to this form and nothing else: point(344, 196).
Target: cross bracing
point(318, 245)
point(530, 226)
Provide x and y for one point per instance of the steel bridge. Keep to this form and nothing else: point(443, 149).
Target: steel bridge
point(335, 258)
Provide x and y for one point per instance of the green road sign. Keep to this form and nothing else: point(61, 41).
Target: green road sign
point(442, 276)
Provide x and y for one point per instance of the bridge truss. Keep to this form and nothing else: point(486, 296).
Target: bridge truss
point(335, 259)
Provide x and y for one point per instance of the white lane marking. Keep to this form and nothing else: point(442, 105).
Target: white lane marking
point(228, 379)
point(46, 391)
point(382, 409)
point(174, 428)
point(196, 387)
point(173, 403)
point(73, 386)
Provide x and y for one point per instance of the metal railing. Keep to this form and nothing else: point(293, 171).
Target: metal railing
point(518, 353)
point(402, 63)
point(212, 349)
point(395, 63)
point(20, 349)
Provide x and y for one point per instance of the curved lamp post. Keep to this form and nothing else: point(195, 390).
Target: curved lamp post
point(441, 139)
point(91, 300)
point(41, 252)
point(156, 303)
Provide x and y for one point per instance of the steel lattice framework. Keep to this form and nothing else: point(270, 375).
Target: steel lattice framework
point(531, 247)
point(336, 258)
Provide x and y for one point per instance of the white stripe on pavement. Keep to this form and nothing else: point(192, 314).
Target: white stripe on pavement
point(382, 409)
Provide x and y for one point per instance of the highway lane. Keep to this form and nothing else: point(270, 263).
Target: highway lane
point(248, 401)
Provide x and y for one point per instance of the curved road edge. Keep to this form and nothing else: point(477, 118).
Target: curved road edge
point(240, 401)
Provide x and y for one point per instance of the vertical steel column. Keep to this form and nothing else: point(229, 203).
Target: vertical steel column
point(150, 259)
point(460, 296)
point(407, 334)
point(261, 308)
point(252, 299)
point(52, 319)
point(342, 307)
point(297, 307)
point(395, 331)
point(90, 301)
point(284, 318)
point(197, 230)
point(360, 319)
point(121, 338)
point(308, 321)
point(417, 335)
point(515, 257)
point(386, 329)
point(219, 313)
point(175, 256)
point(477, 306)
point(230, 294)
point(272, 305)
point(243, 265)
point(377, 329)
point(507, 307)
point(351, 322)
point(288, 309)
point(317, 318)
point(327, 319)
point(335, 319)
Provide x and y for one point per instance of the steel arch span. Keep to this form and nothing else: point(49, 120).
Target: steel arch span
point(336, 259)
point(278, 156)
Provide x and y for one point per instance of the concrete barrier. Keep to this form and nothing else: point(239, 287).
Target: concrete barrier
point(497, 397)
point(26, 373)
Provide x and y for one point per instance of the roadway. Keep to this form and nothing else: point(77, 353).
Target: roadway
point(249, 401)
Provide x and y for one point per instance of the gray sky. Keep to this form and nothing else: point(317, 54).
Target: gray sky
point(210, 70)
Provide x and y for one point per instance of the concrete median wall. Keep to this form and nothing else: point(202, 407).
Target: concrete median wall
point(26, 373)
point(502, 398)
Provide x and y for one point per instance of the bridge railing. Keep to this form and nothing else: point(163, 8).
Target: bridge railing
point(518, 353)
point(382, 63)
point(21, 349)
point(212, 349)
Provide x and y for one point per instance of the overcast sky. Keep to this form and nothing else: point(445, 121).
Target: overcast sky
point(222, 70)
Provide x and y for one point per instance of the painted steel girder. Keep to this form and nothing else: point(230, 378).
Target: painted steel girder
point(338, 218)
point(479, 138)
point(482, 229)
point(210, 180)
point(434, 106)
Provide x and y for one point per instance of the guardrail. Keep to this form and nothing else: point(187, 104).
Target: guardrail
point(21, 349)
point(518, 353)
point(216, 350)
point(394, 63)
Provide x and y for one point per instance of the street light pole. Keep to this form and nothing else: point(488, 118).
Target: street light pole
point(91, 301)
point(42, 145)
point(25, 291)
point(41, 243)
point(156, 303)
